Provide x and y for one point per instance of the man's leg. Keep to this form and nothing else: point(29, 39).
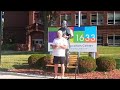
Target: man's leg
point(62, 61)
point(56, 69)
point(55, 61)
point(62, 70)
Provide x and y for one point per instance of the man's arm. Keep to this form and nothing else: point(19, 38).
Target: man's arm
point(64, 46)
point(69, 33)
point(59, 46)
point(54, 46)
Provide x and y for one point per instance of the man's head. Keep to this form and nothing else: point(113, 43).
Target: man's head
point(64, 23)
point(59, 33)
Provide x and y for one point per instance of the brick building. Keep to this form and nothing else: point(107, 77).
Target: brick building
point(24, 27)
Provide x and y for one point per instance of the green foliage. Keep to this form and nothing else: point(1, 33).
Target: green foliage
point(105, 63)
point(86, 64)
point(117, 63)
point(48, 59)
point(8, 46)
point(36, 60)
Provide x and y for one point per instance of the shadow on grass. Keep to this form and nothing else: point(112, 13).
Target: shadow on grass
point(24, 66)
point(21, 52)
point(21, 66)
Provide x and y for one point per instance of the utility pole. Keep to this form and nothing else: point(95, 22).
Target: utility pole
point(79, 22)
point(0, 34)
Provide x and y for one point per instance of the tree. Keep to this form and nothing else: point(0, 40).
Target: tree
point(46, 19)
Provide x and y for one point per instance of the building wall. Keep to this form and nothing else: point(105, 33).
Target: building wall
point(31, 17)
point(15, 23)
point(105, 30)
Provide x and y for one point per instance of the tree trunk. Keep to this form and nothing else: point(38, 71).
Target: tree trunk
point(46, 31)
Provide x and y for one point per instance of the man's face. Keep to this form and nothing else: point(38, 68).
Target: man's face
point(59, 34)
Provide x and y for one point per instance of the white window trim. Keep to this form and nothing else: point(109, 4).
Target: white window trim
point(117, 43)
point(75, 19)
point(81, 22)
point(97, 18)
point(66, 16)
point(91, 19)
point(113, 19)
point(60, 19)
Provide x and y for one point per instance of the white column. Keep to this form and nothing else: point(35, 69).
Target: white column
point(79, 18)
point(114, 17)
point(97, 18)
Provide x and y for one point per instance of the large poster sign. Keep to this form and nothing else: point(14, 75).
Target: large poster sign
point(84, 40)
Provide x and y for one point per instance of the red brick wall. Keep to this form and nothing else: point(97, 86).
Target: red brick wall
point(15, 25)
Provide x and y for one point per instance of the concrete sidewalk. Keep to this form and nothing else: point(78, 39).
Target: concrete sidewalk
point(14, 75)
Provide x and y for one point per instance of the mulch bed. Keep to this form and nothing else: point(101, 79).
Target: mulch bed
point(114, 74)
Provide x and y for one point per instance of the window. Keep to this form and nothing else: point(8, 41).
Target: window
point(110, 17)
point(99, 39)
point(97, 18)
point(37, 41)
point(76, 20)
point(67, 17)
point(110, 40)
point(117, 18)
point(83, 20)
point(114, 40)
point(113, 18)
point(117, 39)
point(93, 19)
point(53, 22)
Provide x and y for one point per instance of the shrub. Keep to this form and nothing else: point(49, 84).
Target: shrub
point(105, 63)
point(8, 47)
point(48, 59)
point(87, 64)
point(117, 63)
point(36, 60)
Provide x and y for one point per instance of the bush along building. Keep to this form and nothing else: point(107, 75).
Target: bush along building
point(25, 29)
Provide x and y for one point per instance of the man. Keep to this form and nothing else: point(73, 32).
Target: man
point(67, 33)
point(59, 46)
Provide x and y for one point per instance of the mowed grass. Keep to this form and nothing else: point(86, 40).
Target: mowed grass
point(19, 59)
point(14, 61)
point(108, 50)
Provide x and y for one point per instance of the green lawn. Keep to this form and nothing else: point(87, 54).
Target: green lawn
point(14, 61)
point(108, 50)
point(19, 59)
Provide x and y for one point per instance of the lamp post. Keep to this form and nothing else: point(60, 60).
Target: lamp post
point(77, 68)
point(0, 34)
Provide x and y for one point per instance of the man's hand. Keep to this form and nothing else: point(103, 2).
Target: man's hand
point(55, 46)
point(65, 36)
point(59, 46)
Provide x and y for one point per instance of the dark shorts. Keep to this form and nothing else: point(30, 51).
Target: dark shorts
point(58, 60)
